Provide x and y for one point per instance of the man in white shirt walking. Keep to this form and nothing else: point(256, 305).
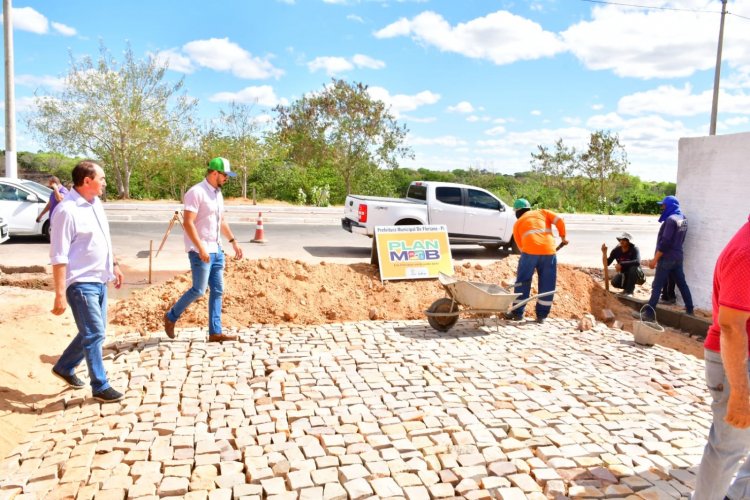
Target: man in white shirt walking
point(204, 223)
point(82, 265)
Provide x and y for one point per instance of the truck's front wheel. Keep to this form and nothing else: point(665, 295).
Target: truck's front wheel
point(512, 247)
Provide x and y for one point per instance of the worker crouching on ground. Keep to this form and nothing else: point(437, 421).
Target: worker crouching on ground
point(532, 233)
point(628, 267)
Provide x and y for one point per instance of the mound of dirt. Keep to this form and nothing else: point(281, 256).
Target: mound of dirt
point(272, 291)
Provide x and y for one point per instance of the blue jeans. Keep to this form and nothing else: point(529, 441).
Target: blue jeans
point(726, 445)
point(205, 274)
point(664, 268)
point(546, 268)
point(88, 302)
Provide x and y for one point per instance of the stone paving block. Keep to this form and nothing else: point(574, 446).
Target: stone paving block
point(173, 486)
point(334, 491)
point(229, 480)
point(273, 486)
point(116, 494)
point(512, 493)
point(220, 494)
point(358, 488)
point(246, 490)
point(441, 490)
point(525, 482)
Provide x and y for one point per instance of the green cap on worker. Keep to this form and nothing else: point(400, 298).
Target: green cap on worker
point(521, 203)
point(221, 165)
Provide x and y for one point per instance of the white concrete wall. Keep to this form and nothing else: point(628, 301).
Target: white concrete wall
point(713, 186)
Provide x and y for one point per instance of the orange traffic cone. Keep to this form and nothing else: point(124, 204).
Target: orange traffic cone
point(259, 236)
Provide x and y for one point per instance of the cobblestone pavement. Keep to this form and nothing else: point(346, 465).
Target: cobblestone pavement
point(376, 410)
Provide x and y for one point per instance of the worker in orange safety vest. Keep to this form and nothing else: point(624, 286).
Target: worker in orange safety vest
point(533, 234)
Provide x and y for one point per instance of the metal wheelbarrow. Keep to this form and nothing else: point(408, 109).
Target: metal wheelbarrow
point(480, 299)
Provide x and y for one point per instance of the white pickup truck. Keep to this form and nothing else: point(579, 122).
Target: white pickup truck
point(473, 215)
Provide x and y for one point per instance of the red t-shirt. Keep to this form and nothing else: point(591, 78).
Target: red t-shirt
point(731, 283)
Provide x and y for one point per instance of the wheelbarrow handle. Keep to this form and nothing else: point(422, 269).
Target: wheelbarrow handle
point(533, 297)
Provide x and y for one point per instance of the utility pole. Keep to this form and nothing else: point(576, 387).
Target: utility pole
point(11, 163)
point(717, 73)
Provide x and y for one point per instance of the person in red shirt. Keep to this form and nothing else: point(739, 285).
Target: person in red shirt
point(532, 232)
point(727, 377)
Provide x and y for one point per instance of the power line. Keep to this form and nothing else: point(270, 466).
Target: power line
point(651, 7)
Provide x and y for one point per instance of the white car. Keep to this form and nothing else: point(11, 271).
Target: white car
point(21, 202)
point(3, 231)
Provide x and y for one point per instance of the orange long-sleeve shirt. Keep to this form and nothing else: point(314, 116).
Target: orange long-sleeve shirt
point(533, 232)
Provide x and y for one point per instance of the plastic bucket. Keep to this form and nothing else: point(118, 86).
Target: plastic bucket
point(646, 332)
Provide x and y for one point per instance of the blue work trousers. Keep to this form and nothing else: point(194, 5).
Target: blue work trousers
point(665, 268)
point(205, 275)
point(546, 268)
point(88, 302)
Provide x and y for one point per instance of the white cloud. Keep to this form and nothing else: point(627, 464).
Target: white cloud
point(448, 141)
point(64, 29)
point(461, 107)
point(738, 120)
point(416, 119)
point(52, 83)
point(499, 130)
point(476, 118)
point(355, 18)
point(536, 112)
point(400, 103)
point(570, 120)
point(597, 107)
point(28, 19)
point(673, 101)
point(220, 54)
point(334, 65)
point(500, 37)
point(262, 95)
point(655, 43)
point(174, 60)
point(331, 65)
point(363, 61)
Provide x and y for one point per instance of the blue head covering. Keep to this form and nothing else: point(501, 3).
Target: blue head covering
point(671, 207)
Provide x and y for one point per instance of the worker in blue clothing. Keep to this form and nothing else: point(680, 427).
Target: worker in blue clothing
point(668, 257)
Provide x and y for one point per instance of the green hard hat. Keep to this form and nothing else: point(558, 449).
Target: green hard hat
point(521, 203)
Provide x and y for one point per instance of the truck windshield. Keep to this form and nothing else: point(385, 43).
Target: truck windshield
point(417, 192)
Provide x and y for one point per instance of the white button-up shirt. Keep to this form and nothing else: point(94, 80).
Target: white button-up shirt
point(80, 238)
point(207, 203)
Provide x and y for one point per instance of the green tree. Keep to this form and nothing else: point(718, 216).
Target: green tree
point(342, 125)
point(555, 169)
point(240, 128)
point(123, 114)
point(604, 160)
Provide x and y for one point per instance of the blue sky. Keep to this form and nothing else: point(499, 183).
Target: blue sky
point(478, 83)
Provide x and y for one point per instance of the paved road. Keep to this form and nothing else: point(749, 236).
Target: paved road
point(392, 409)
point(315, 242)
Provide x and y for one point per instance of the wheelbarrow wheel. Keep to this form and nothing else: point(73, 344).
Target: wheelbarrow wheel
point(443, 323)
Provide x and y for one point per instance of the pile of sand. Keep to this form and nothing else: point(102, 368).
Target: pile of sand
point(272, 291)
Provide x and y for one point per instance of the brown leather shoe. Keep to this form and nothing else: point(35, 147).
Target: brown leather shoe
point(221, 337)
point(169, 326)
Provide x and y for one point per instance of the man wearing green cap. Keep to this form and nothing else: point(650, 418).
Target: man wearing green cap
point(204, 223)
point(532, 232)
